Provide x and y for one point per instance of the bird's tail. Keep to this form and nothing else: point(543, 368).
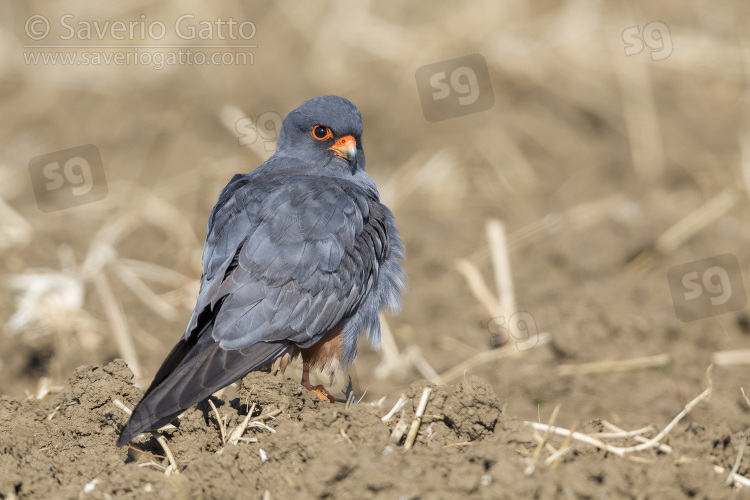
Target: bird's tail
point(193, 380)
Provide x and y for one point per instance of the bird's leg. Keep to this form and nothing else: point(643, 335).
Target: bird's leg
point(277, 365)
point(284, 361)
point(319, 390)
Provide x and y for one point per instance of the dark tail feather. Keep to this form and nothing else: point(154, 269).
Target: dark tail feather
point(193, 381)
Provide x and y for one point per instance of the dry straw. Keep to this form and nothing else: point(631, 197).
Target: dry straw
point(412, 436)
point(599, 440)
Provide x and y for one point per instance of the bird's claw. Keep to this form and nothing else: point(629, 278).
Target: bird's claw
point(322, 393)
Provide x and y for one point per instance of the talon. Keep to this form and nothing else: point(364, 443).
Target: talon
point(319, 390)
point(322, 393)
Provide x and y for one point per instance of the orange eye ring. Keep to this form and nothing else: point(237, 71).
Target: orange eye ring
point(321, 133)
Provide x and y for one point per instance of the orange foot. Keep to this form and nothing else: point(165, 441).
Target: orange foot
point(321, 392)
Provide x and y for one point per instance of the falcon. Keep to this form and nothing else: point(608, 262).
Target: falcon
point(300, 257)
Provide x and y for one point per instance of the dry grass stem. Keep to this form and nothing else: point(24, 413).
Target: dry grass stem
point(143, 452)
point(698, 219)
point(54, 412)
point(729, 358)
point(45, 387)
point(391, 359)
point(396, 408)
point(456, 346)
point(641, 117)
point(400, 183)
point(350, 399)
point(555, 458)
point(261, 425)
point(744, 481)
point(619, 433)
point(239, 430)
point(418, 418)
point(414, 354)
point(172, 468)
point(622, 451)
point(539, 439)
point(14, 228)
point(484, 357)
point(733, 472)
point(379, 403)
point(151, 463)
point(144, 293)
point(501, 265)
point(664, 448)
point(584, 438)
point(564, 448)
point(744, 140)
point(658, 360)
point(116, 316)
point(507, 160)
point(552, 418)
point(401, 428)
point(576, 219)
point(430, 434)
point(155, 272)
point(425, 172)
point(688, 408)
point(742, 390)
point(342, 433)
point(219, 422)
point(478, 287)
point(737, 479)
point(236, 434)
point(271, 415)
point(122, 406)
point(128, 412)
point(686, 228)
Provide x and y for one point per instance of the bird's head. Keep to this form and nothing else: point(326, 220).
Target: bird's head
point(325, 131)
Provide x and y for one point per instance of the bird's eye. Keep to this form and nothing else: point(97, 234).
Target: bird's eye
point(321, 133)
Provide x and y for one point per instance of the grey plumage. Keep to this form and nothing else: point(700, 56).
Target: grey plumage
point(293, 249)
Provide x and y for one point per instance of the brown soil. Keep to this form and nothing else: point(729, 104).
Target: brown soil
point(65, 449)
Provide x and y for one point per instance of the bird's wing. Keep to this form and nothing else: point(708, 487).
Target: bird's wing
point(313, 254)
point(286, 259)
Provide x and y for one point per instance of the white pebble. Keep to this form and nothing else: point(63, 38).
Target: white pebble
point(91, 485)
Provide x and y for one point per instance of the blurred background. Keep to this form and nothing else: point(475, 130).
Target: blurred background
point(549, 165)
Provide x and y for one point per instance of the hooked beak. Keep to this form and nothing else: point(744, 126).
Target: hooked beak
point(345, 147)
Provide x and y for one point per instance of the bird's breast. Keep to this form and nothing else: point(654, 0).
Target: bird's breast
point(326, 352)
